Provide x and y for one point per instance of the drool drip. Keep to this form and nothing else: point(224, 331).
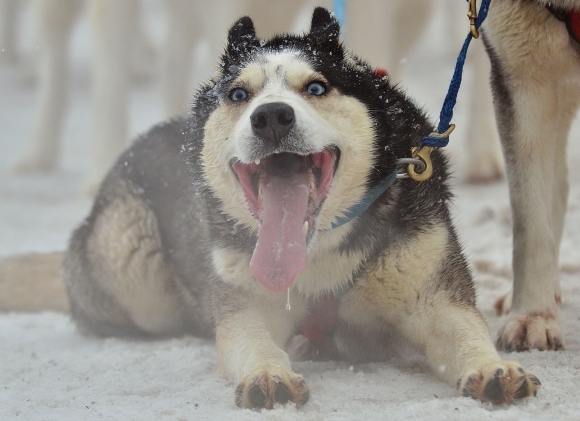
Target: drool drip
point(288, 306)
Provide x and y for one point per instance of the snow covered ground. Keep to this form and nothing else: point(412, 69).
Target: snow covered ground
point(48, 371)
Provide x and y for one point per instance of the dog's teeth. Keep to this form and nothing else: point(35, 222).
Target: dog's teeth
point(257, 162)
point(305, 227)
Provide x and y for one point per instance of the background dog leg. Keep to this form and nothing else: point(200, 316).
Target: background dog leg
point(8, 33)
point(114, 25)
point(182, 32)
point(484, 159)
point(392, 38)
point(54, 21)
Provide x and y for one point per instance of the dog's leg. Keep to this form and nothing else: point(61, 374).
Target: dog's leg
point(535, 103)
point(119, 281)
point(183, 31)
point(396, 26)
point(424, 290)
point(460, 349)
point(484, 159)
point(188, 20)
point(54, 21)
point(250, 354)
point(8, 31)
point(535, 141)
point(114, 24)
point(252, 331)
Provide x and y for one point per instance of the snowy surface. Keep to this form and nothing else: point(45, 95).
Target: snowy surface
point(48, 371)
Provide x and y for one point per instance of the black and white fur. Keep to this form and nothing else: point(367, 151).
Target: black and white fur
point(167, 248)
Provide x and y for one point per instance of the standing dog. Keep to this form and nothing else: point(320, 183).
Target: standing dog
point(244, 219)
point(534, 50)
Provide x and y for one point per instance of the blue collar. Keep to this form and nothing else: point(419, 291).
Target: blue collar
point(361, 206)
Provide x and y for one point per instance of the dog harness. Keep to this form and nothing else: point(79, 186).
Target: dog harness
point(571, 18)
point(321, 322)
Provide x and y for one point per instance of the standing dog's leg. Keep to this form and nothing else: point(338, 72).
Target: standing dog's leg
point(484, 160)
point(189, 23)
point(8, 31)
point(114, 24)
point(53, 21)
point(396, 26)
point(533, 66)
point(183, 31)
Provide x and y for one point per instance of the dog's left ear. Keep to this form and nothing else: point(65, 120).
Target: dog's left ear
point(324, 28)
point(242, 38)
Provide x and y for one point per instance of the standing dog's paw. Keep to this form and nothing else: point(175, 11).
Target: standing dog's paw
point(265, 388)
point(523, 332)
point(500, 382)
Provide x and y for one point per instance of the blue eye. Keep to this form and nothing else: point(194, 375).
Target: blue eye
point(238, 94)
point(316, 88)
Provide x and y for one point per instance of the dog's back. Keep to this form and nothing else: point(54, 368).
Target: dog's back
point(144, 219)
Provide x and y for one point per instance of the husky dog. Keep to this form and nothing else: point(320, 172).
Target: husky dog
point(269, 206)
point(534, 49)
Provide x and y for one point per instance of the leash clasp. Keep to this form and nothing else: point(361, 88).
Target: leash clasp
point(472, 15)
point(423, 155)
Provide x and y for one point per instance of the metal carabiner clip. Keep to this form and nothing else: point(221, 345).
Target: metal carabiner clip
point(472, 15)
point(424, 154)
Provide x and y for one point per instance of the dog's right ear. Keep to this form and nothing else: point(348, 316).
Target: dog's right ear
point(242, 38)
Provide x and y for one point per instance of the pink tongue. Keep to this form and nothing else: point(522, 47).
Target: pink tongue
point(280, 252)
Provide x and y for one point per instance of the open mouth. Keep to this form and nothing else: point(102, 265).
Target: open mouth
point(285, 192)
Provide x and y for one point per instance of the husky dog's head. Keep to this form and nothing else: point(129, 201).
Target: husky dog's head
point(295, 130)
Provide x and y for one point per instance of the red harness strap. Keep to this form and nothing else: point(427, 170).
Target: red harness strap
point(570, 18)
point(321, 322)
point(573, 25)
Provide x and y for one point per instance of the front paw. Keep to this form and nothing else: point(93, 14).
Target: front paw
point(500, 382)
point(266, 387)
point(527, 331)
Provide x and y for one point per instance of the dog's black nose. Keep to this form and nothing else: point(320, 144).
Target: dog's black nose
point(272, 121)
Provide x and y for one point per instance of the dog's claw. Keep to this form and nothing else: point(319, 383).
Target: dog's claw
point(265, 390)
point(539, 330)
point(499, 383)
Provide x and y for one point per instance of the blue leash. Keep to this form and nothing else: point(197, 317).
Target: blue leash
point(442, 138)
